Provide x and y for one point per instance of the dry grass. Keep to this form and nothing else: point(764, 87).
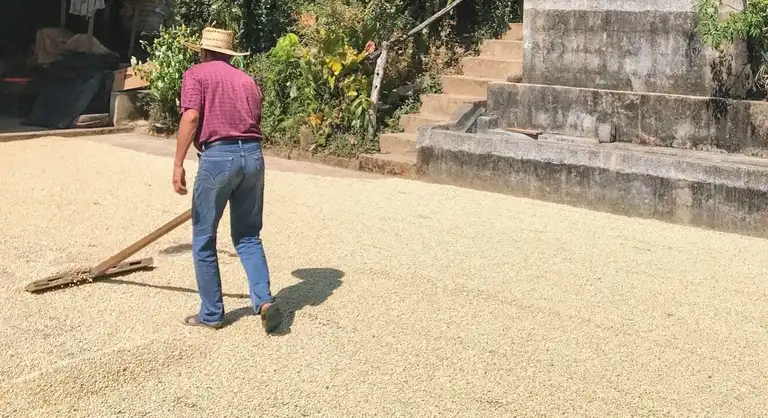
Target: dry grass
point(453, 303)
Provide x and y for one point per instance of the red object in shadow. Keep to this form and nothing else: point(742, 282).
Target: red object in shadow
point(16, 80)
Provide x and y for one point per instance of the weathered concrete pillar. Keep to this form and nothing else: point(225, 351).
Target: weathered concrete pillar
point(630, 45)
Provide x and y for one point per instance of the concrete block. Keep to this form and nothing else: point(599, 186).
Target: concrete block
point(630, 45)
point(487, 67)
point(464, 118)
point(686, 122)
point(606, 133)
point(486, 123)
point(444, 104)
point(499, 48)
point(721, 192)
point(397, 143)
point(409, 123)
point(465, 85)
point(124, 107)
point(515, 32)
point(400, 165)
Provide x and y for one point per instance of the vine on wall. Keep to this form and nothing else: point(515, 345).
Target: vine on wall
point(749, 25)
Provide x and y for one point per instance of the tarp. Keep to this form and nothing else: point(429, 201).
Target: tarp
point(54, 43)
point(69, 87)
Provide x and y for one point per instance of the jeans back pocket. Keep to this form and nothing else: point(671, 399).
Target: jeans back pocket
point(214, 172)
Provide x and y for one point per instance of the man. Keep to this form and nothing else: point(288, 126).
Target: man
point(221, 114)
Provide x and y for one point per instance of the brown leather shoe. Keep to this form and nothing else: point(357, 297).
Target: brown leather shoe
point(271, 318)
point(194, 321)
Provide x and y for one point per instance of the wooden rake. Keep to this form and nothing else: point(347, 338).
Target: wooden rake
point(113, 265)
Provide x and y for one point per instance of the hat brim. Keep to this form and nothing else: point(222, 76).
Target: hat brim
point(198, 48)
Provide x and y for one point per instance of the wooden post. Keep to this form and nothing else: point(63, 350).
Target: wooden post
point(106, 37)
point(63, 19)
point(134, 24)
point(378, 76)
point(91, 20)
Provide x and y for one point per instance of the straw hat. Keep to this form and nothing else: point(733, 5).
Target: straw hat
point(216, 40)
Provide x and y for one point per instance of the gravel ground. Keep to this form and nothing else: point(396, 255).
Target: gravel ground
point(410, 299)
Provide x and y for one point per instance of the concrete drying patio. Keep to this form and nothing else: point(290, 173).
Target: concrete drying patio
point(409, 299)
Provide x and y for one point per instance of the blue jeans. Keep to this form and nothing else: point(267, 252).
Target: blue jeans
point(230, 172)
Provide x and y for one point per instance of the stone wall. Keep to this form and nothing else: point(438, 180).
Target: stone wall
point(725, 193)
point(687, 122)
point(630, 45)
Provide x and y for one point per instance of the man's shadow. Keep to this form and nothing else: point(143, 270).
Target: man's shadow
point(315, 287)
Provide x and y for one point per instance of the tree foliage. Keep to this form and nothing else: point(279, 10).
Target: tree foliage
point(310, 58)
point(749, 25)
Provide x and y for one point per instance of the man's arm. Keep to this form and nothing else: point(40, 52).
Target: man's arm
point(188, 125)
point(191, 105)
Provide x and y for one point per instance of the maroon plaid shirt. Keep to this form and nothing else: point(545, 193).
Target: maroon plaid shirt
point(229, 101)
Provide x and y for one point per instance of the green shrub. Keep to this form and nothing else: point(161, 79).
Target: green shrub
point(323, 86)
point(749, 25)
point(169, 59)
point(258, 23)
point(309, 58)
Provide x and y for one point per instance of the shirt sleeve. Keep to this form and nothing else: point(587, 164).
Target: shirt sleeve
point(191, 93)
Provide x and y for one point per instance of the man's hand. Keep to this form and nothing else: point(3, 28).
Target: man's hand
point(179, 180)
point(187, 131)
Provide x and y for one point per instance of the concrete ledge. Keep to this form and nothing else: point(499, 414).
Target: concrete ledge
point(632, 45)
point(691, 188)
point(599, 5)
point(367, 163)
point(686, 122)
point(338, 162)
point(63, 133)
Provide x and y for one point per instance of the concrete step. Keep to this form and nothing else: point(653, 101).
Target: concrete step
point(515, 32)
point(491, 67)
point(64, 133)
point(401, 165)
point(466, 85)
point(409, 123)
point(499, 48)
point(703, 189)
point(398, 143)
point(445, 104)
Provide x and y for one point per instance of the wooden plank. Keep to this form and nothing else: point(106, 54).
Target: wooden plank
point(134, 25)
point(106, 36)
point(530, 132)
point(378, 76)
point(91, 20)
point(84, 276)
point(140, 244)
point(63, 17)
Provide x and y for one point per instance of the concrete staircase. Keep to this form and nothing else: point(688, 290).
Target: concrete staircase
point(499, 59)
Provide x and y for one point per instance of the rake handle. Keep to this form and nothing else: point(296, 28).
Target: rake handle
point(140, 244)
